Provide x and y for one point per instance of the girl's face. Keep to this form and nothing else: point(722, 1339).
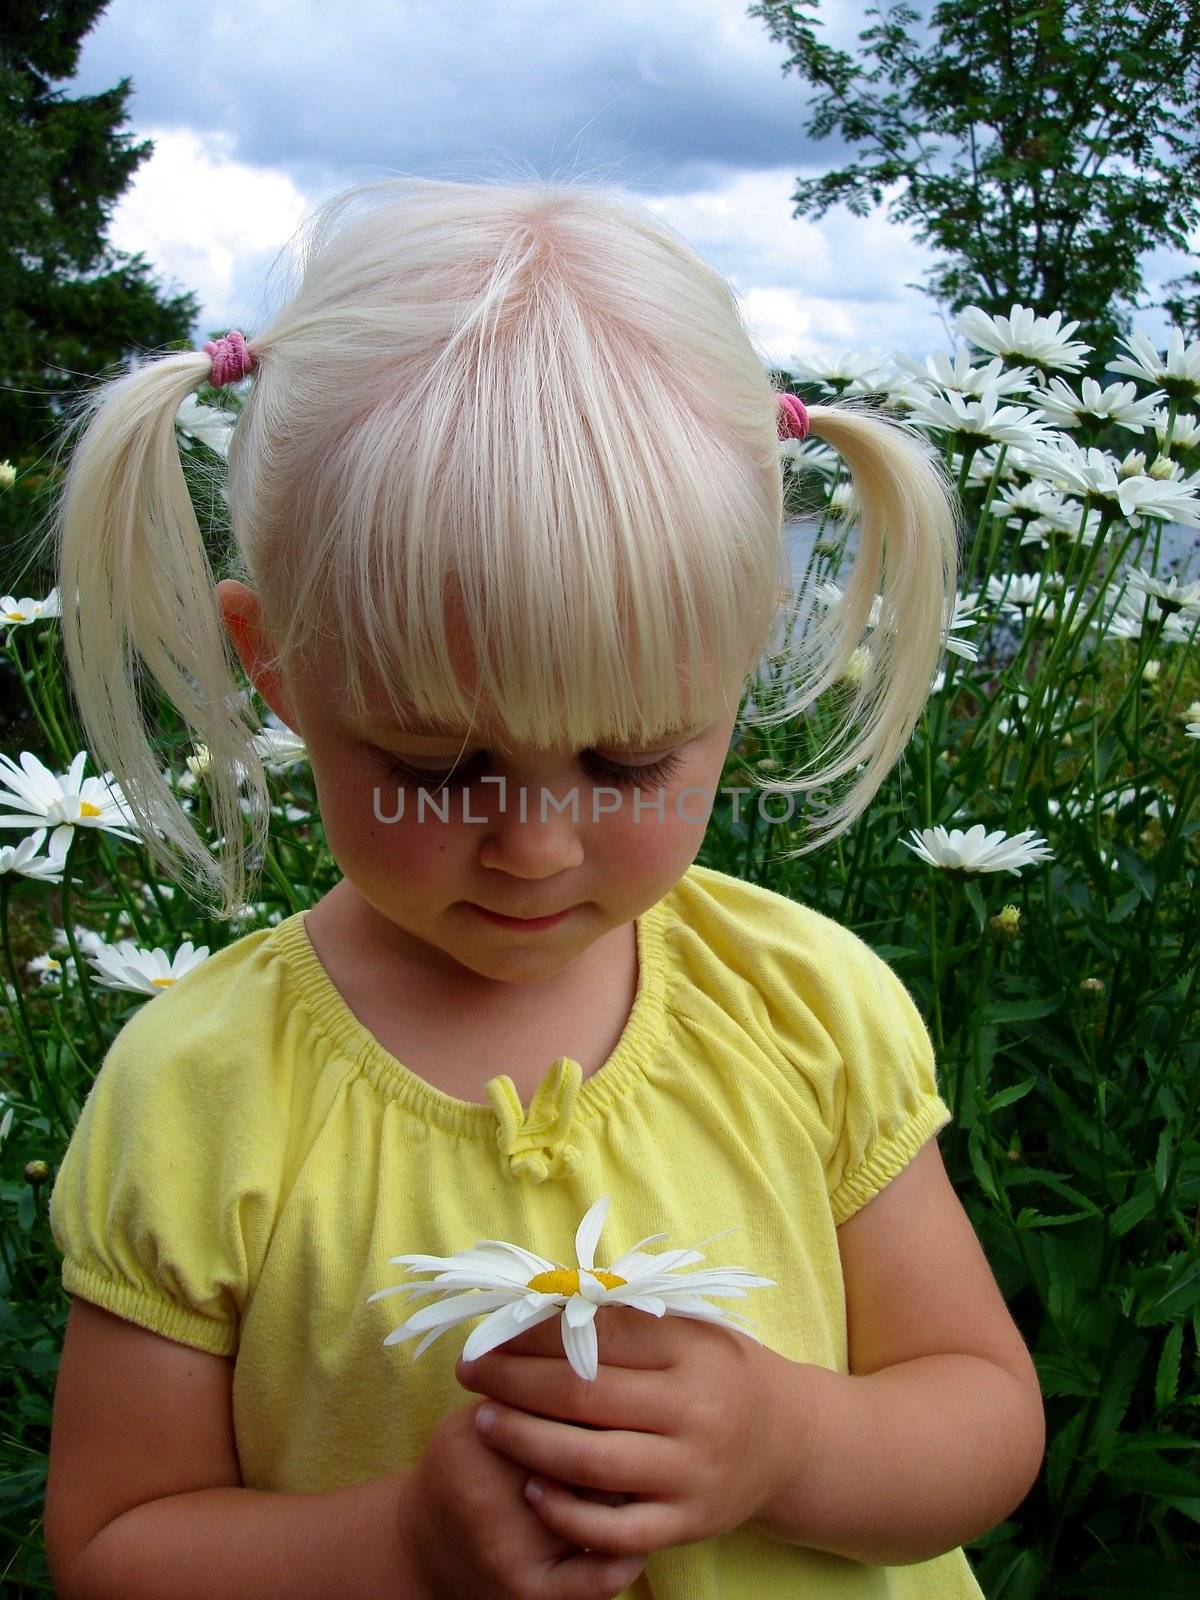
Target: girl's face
point(600, 834)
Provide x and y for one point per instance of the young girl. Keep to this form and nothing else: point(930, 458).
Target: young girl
point(507, 494)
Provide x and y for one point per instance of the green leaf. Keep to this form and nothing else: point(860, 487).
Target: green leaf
point(1007, 1096)
point(1021, 1010)
point(1028, 1217)
point(1135, 1577)
point(1177, 1299)
point(1156, 1478)
point(1138, 869)
point(979, 1163)
point(1134, 1210)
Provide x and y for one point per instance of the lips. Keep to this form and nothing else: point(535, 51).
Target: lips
point(510, 919)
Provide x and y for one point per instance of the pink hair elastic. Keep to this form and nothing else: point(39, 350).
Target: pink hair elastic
point(231, 359)
point(793, 417)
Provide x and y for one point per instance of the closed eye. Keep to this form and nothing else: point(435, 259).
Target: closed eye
point(619, 774)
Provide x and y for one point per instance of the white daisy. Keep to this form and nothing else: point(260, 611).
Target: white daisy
point(960, 375)
point(1177, 372)
point(1117, 403)
point(1014, 591)
point(809, 455)
point(855, 371)
point(46, 969)
point(964, 617)
point(1042, 340)
point(85, 939)
point(66, 798)
point(1185, 435)
point(1168, 593)
point(1032, 499)
point(126, 966)
point(1095, 473)
point(987, 466)
point(206, 423)
point(23, 858)
point(521, 1289)
point(978, 851)
point(982, 418)
point(16, 612)
point(278, 747)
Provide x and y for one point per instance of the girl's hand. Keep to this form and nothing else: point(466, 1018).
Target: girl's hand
point(685, 1412)
point(467, 1530)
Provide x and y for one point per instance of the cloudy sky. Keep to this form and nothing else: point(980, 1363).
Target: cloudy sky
point(257, 108)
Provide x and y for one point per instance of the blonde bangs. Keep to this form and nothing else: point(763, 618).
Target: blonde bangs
point(538, 517)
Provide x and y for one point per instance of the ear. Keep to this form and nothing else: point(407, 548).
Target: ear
point(242, 619)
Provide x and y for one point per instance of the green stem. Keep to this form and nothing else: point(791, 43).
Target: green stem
point(85, 983)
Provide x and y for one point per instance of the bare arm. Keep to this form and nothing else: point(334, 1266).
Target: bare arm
point(903, 1464)
point(246, 1544)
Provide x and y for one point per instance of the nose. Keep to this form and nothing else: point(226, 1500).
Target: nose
point(534, 829)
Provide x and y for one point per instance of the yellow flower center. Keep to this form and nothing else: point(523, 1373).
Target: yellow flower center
point(87, 809)
point(565, 1280)
point(161, 983)
point(14, 616)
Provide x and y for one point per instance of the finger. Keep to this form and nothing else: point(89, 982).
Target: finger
point(617, 1397)
point(582, 1575)
point(637, 1528)
point(612, 1459)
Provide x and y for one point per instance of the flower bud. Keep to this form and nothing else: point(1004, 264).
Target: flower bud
point(1006, 924)
point(8, 474)
point(1151, 670)
point(1163, 468)
point(857, 667)
point(36, 1171)
point(1091, 988)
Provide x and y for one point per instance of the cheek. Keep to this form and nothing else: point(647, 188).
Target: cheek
point(641, 844)
point(371, 820)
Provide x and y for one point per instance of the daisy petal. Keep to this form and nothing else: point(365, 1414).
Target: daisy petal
point(587, 1235)
point(535, 1264)
point(640, 1302)
point(502, 1326)
point(580, 1347)
point(459, 1308)
point(578, 1311)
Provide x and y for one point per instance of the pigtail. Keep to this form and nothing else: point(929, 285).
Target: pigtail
point(128, 549)
point(908, 558)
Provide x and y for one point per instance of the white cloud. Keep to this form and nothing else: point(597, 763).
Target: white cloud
point(205, 219)
point(272, 104)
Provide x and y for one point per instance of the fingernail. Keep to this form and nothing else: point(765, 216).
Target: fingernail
point(534, 1490)
point(484, 1418)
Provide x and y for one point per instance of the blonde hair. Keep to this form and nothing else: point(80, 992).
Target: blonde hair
point(532, 400)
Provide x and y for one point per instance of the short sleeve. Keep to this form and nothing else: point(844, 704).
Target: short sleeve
point(163, 1203)
point(885, 1101)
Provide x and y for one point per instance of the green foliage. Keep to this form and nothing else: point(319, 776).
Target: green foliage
point(1062, 1002)
point(71, 306)
point(1041, 149)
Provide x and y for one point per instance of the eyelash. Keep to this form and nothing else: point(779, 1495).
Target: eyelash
point(621, 777)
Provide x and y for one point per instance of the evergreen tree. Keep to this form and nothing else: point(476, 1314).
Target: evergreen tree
point(70, 305)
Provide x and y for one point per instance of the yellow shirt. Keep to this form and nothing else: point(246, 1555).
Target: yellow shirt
point(250, 1156)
